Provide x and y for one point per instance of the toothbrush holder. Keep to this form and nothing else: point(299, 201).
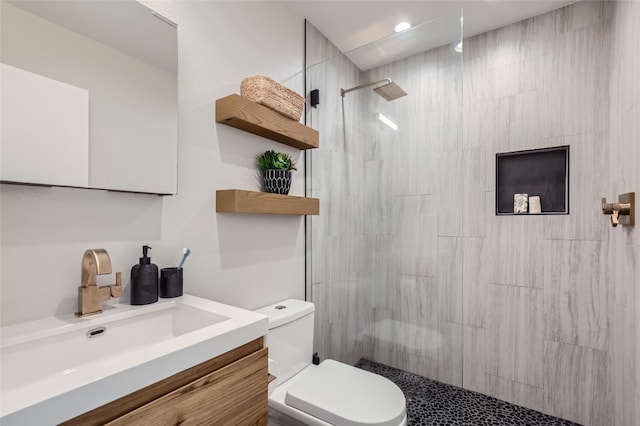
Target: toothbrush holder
point(170, 282)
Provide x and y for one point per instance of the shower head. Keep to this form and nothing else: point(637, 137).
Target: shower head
point(389, 90)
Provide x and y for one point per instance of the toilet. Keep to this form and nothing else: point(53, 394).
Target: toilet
point(331, 393)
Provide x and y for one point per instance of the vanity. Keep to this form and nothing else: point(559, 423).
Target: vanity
point(186, 360)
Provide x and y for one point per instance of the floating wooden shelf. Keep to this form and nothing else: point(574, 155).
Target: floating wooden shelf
point(240, 201)
point(243, 114)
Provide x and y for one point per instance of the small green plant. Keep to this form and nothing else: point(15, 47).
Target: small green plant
point(275, 160)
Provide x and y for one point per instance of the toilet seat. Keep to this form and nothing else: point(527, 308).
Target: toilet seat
point(340, 394)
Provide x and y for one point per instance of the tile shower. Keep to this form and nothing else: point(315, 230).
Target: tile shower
point(410, 267)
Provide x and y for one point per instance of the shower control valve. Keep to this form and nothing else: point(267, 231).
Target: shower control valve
point(622, 212)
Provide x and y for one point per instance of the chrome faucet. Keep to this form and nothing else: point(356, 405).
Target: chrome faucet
point(96, 262)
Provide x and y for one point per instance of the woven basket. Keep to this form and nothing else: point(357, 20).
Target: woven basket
point(267, 92)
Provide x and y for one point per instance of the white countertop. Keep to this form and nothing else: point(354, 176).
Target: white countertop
point(64, 376)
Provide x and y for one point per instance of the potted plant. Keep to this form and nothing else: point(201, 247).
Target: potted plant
point(276, 168)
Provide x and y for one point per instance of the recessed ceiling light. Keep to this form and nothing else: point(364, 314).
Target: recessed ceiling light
point(402, 26)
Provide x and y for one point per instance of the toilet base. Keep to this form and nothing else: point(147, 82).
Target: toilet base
point(276, 418)
point(277, 402)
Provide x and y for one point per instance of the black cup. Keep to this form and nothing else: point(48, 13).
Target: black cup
point(170, 282)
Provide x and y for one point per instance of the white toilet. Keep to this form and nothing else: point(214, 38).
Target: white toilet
point(331, 393)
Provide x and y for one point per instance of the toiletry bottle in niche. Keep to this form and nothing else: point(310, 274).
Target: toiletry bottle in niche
point(144, 281)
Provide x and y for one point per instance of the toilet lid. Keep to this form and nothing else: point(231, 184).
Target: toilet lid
point(344, 395)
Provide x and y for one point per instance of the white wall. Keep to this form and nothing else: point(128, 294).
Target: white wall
point(243, 260)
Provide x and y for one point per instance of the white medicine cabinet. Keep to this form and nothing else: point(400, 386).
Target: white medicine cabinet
point(89, 96)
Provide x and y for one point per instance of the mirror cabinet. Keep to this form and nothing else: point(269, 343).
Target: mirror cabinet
point(89, 96)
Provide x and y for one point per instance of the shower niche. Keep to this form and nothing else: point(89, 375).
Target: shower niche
point(538, 172)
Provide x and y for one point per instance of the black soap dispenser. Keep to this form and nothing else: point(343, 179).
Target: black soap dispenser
point(144, 281)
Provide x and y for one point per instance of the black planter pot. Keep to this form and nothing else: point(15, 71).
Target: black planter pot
point(277, 181)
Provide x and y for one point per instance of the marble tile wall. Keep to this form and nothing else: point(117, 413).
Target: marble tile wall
point(387, 246)
point(539, 311)
point(338, 272)
point(424, 161)
point(537, 291)
point(624, 244)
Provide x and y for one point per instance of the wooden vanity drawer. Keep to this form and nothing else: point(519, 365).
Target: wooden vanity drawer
point(144, 397)
point(233, 395)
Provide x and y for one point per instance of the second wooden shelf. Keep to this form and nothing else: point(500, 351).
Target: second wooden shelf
point(241, 201)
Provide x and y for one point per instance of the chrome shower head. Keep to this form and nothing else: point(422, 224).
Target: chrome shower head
point(389, 91)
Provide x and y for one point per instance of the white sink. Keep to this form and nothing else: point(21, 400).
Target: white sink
point(54, 369)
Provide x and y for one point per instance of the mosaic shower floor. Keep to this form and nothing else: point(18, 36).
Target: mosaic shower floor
point(434, 403)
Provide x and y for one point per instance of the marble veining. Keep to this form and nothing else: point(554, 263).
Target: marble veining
point(576, 293)
point(576, 383)
point(515, 392)
point(474, 211)
point(474, 287)
point(473, 364)
point(514, 334)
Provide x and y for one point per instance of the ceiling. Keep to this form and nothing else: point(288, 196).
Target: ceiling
point(353, 24)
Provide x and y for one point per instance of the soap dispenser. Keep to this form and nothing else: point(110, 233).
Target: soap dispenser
point(144, 281)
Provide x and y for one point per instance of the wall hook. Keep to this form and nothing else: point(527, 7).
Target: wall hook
point(622, 212)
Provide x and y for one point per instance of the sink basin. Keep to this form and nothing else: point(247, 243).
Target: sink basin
point(54, 369)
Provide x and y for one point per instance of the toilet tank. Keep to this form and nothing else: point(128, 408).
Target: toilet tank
point(290, 337)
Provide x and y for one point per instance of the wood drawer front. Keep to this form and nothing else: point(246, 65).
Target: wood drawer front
point(138, 399)
point(233, 395)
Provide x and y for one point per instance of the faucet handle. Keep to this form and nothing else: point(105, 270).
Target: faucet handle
point(615, 218)
point(116, 289)
point(612, 209)
point(622, 212)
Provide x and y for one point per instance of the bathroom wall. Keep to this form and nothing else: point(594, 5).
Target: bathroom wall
point(386, 260)
point(551, 305)
point(623, 282)
point(537, 290)
point(414, 184)
point(338, 245)
point(547, 310)
point(245, 260)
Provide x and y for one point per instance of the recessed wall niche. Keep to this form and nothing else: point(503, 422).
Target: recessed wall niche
point(537, 172)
